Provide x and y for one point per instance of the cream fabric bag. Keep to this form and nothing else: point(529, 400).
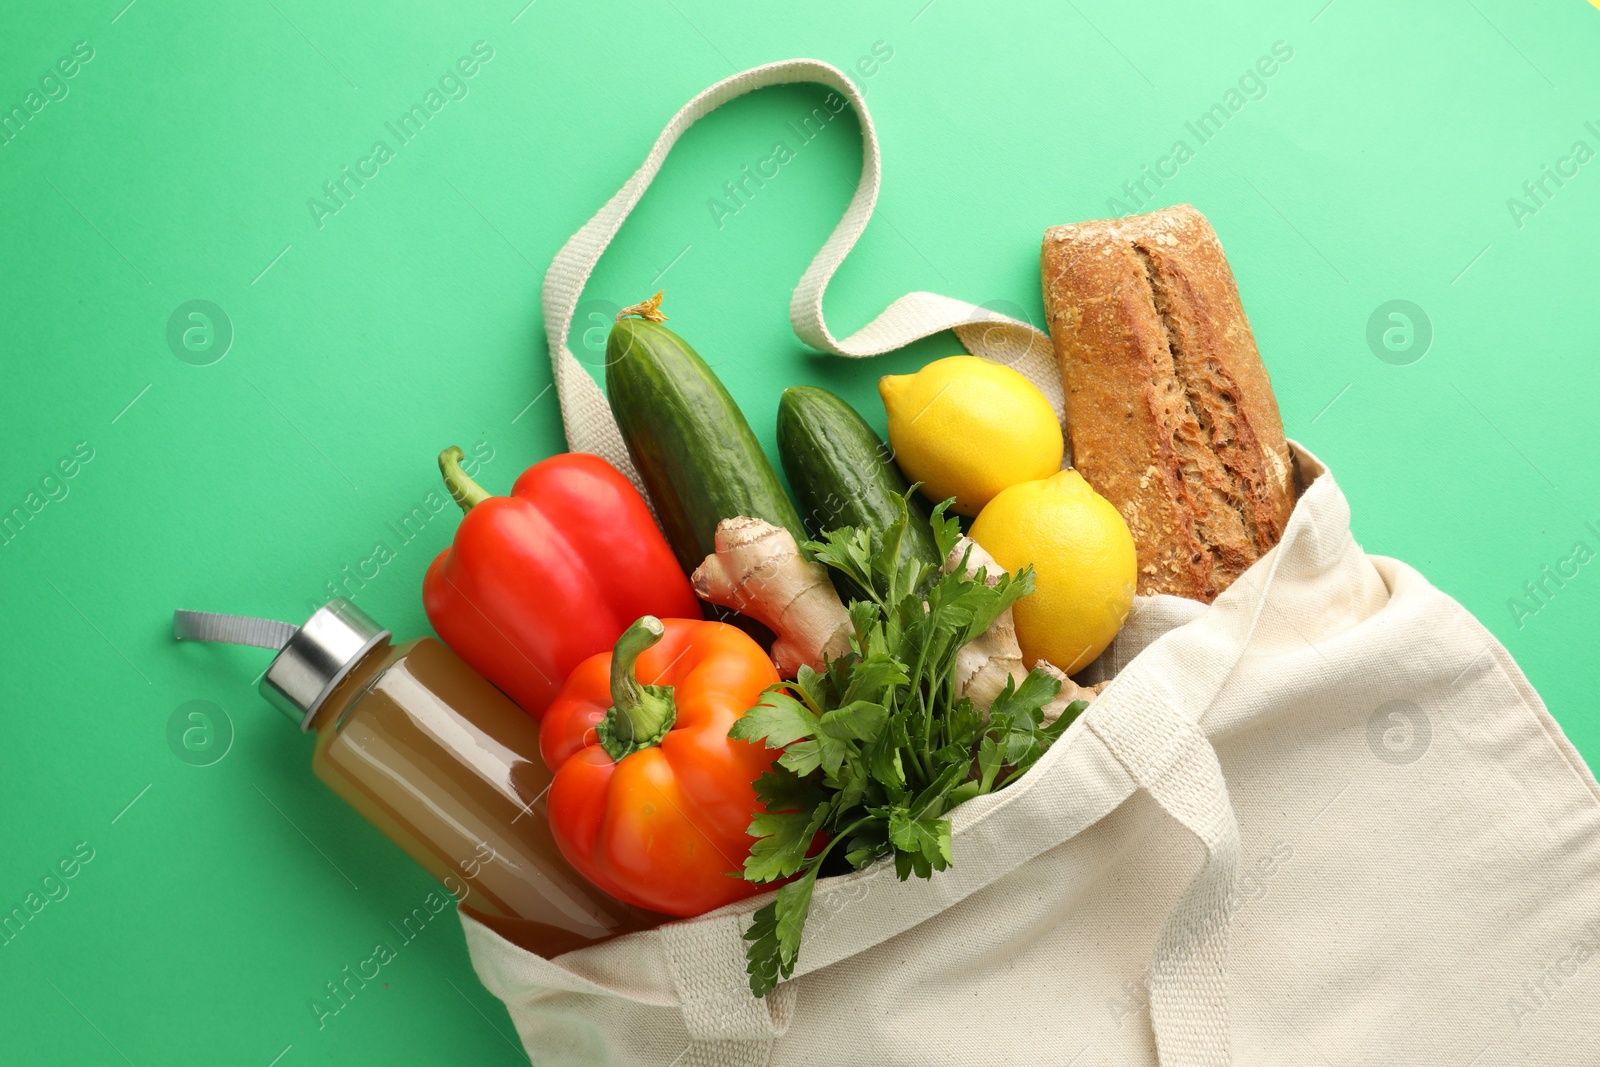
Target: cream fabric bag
point(1324, 820)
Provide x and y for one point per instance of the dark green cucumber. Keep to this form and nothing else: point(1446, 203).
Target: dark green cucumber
point(698, 458)
point(843, 474)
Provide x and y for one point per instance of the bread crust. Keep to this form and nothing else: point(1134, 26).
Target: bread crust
point(1169, 409)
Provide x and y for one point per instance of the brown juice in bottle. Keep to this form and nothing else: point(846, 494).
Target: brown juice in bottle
point(439, 760)
point(445, 765)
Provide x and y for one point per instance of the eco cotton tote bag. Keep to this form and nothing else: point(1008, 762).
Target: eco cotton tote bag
point(1324, 819)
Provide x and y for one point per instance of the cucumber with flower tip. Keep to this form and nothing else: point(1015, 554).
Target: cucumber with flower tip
point(843, 474)
point(695, 452)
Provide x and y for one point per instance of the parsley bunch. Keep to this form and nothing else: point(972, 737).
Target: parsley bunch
point(878, 747)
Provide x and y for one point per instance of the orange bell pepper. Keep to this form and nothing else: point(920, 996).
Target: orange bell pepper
point(651, 797)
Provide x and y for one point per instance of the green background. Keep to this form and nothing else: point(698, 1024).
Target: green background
point(178, 167)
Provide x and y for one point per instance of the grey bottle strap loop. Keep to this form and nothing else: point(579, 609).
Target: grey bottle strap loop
point(231, 629)
point(311, 660)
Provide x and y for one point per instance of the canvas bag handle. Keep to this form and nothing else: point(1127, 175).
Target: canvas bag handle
point(585, 414)
point(1164, 751)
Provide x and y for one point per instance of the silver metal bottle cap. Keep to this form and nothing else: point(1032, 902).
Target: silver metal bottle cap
point(312, 659)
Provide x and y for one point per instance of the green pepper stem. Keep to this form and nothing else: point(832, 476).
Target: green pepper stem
point(463, 490)
point(640, 715)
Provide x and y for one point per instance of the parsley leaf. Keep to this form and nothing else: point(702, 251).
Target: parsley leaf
point(778, 720)
point(860, 720)
point(774, 935)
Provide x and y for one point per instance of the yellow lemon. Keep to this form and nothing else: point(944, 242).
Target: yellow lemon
point(1083, 561)
point(967, 428)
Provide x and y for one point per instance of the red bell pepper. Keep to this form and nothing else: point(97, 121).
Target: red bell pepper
point(538, 581)
point(652, 799)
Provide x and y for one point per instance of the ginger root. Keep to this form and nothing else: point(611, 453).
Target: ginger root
point(1069, 691)
point(984, 664)
point(757, 570)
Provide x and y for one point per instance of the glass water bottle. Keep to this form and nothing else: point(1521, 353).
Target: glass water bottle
point(439, 760)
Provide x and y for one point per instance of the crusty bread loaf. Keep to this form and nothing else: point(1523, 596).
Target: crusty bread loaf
point(1169, 411)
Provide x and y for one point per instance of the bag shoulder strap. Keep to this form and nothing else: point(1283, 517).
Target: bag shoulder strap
point(585, 414)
